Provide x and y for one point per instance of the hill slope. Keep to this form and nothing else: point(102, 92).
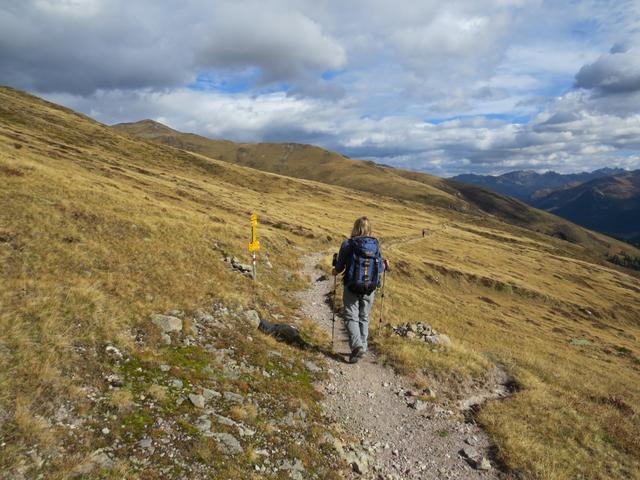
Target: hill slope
point(610, 204)
point(314, 163)
point(98, 231)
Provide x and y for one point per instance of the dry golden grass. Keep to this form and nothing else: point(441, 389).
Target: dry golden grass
point(523, 302)
point(97, 231)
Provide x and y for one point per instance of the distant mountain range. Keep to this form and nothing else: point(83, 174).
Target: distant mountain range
point(609, 204)
point(605, 200)
point(528, 186)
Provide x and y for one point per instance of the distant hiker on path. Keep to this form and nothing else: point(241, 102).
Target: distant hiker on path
point(362, 263)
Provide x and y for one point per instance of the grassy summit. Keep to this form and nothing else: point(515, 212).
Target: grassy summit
point(100, 230)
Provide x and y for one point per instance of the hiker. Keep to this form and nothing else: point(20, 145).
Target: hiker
point(362, 263)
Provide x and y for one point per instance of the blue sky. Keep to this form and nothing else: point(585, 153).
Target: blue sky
point(445, 87)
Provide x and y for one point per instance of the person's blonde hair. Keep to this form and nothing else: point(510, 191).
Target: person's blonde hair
point(361, 228)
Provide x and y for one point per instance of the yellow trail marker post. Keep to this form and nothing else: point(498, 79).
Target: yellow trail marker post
point(254, 246)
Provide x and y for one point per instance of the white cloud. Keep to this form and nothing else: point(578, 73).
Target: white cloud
point(371, 78)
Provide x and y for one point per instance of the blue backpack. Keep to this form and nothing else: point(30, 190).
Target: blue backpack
point(363, 274)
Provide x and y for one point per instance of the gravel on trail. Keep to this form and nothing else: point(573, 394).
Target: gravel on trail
point(368, 401)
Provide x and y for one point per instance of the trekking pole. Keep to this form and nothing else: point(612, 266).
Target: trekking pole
point(333, 307)
point(384, 279)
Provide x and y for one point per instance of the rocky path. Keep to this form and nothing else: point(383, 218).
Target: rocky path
point(396, 440)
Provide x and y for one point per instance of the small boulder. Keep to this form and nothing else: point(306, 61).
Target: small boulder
point(419, 405)
point(253, 317)
point(196, 400)
point(203, 317)
point(227, 443)
point(210, 394)
point(439, 339)
point(146, 444)
point(483, 464)
point(113, 352)
point(167, 323)
point(233, 397)
point(204, 424)
point(114, 380)
point(98, 460)
point(176, 383)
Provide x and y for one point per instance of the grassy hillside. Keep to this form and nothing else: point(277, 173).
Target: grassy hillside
point(99, 230)
point(314, 163)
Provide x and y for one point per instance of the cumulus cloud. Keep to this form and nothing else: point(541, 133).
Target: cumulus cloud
point(81, 46)
point(447, 87)
point(613, 73)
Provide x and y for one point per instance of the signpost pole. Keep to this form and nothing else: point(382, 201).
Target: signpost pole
point(254, 246)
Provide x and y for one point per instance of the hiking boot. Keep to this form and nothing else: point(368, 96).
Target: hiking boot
point(355, 355)
point(361, 353)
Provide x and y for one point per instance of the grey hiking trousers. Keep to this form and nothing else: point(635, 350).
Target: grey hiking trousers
point(356, 317)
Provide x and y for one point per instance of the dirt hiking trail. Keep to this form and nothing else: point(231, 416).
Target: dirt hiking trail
point(368, 401)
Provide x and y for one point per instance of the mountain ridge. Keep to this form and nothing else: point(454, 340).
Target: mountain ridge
point(315, 163)
point(609, 204)
point(528, 185)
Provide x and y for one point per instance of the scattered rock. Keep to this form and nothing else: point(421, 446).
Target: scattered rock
point(421, 331)
point(196, 400)
point(167, 323)
point(359, 462)
point(210, 394)
point(233, 397)
point(237, 265)
point(295, 469)
point(253, 317)
point(175, 383)
point(227, 443)
point(439, 339)
point(297, 417)
point(225, 420)
point(312, 367)
point(166, 339)
point(146, 444)
point(203, 317)
point(113, 352)
point(419, 405)
point(484, 464)
point(114, 380)
point(98, 460)
point(204, 424)
point(165, 368)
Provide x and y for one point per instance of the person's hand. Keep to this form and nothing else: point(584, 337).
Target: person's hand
point(386, 264)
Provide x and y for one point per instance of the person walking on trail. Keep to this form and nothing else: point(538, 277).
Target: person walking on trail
point(362, 263)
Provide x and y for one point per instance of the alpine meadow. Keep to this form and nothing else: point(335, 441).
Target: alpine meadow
point(128, 339)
